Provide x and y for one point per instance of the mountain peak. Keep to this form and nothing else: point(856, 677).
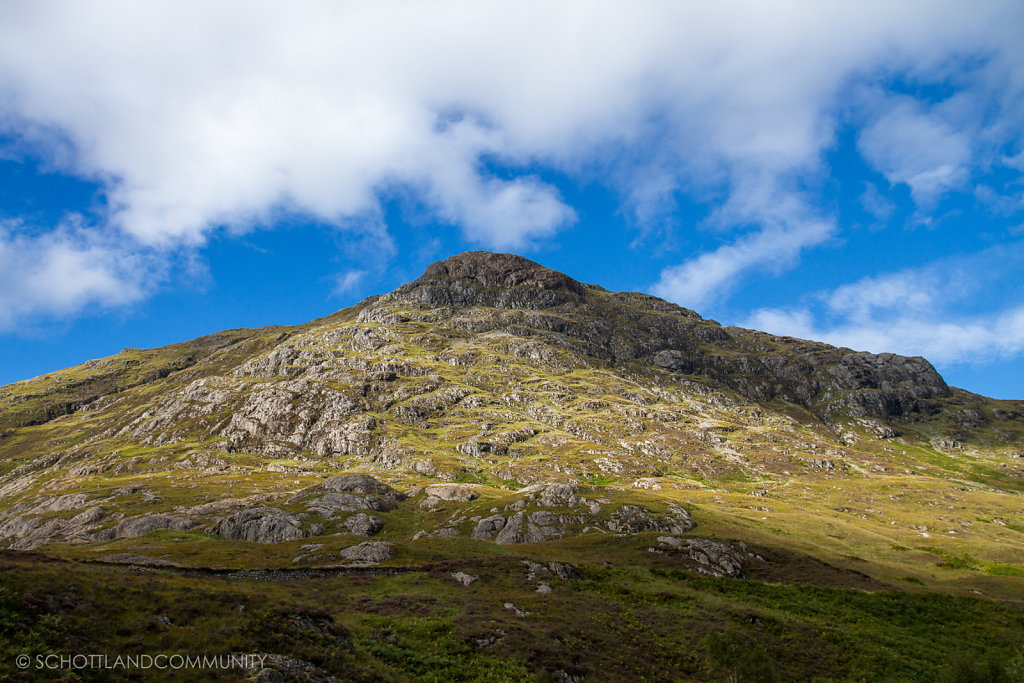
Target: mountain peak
point(501, 270)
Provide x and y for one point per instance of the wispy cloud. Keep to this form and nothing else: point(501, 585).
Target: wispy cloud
point(876, 204)
point(917, 312)
point(348, 282)
point(713, 275)
point(914, 146)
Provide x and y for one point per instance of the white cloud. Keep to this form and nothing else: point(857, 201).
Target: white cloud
point(977, 339)
point(917, 312)
point(61, 272)
point(348, 282)
point(197, 115)
point(711, 276)
point(911, 145)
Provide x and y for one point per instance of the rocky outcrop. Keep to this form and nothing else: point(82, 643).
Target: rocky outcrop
point(26, 533)
point(487, 527)
point(501, 270)
point(140, 526)
point(440, 493)
point(283, 417)
point(633, 519)
point(260, 525)
point(348, 493)
point(362, 484)
point(363, 524)
point(480, 278)
point(707, 556)
point(551, 511)
point(369, 552)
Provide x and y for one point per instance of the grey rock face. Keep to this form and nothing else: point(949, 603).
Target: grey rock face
point(487, 527)
point(30, 532)
point(369, 552)
point(522, 529)
point(464, 578)
point(357, 483)
point(632, 519)
point(140, 526)
point(280, 418)
point(714, 557)
point(72, 501)
point(451, 492)
point(363, 524)
point(199, 399)
point(512, 531)
point(260, 525)
point(559, 495)
point(329, 503)
point(563, 570)
point(440, 493)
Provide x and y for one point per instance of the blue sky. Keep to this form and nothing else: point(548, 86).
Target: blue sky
point(849, 173)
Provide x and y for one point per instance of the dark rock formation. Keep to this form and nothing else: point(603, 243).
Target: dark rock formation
point(260, 525)
point(534, 301)
point(477, 278)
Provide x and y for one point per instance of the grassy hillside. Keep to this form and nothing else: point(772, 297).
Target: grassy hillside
point(735, 506)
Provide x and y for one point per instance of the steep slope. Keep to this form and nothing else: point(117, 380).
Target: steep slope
point(495, 401)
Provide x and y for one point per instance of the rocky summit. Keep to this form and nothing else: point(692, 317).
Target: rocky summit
point(497, 411)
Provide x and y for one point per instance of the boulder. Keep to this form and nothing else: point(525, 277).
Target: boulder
point(714, 557)
point(260, 525)
point(363, 524)
point(464, 578)
point(487, 527)
point(559, 495)
point(519, 530)
point(358, 483)
point(369, 552)
point(439, 493)
point(633, 519)
point(142, 525)
point(451, 492)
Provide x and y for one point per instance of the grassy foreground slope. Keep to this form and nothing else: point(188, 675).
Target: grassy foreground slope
point(606, 623)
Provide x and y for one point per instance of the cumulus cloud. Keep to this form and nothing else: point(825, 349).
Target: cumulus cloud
point(198, 116)
point(917, 312)
point(60, 272)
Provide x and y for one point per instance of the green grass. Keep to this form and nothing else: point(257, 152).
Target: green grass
point(1005, 570)
point(613, 623)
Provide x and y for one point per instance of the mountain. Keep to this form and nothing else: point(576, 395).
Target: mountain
point(496, 409)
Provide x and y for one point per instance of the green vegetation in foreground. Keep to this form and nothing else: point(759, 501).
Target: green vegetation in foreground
point(611, 623)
